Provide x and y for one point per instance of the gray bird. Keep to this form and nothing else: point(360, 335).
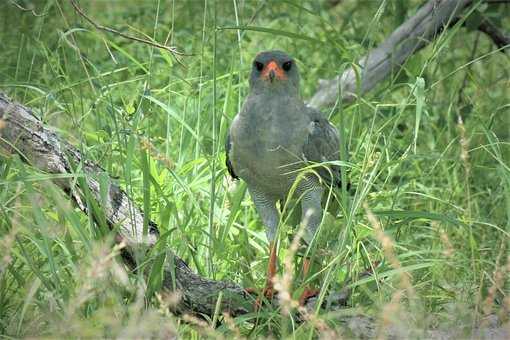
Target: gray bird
point(271, 140)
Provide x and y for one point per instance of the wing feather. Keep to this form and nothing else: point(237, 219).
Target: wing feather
point(228, 147)
point(323, 145)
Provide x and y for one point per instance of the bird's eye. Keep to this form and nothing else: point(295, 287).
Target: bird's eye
point(287, 65)
point(258, 65)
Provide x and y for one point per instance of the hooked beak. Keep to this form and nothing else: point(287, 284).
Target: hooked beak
point(271, 75)
point(272, 71)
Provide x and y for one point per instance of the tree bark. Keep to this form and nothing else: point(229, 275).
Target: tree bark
point(414, 34)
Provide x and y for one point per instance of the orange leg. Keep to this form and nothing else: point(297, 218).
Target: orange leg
point(309, 291)
point(271, 271)
point(306, 266)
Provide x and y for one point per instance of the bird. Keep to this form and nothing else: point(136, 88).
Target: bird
point(272, 139)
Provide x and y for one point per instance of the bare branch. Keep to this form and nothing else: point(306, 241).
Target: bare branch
point(14, 3)
point(500, 39)
point(172, 49)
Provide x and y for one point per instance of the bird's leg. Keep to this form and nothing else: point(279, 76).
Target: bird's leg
point(266, 207)
point(311, 217)
point(309, 290)
point(306, 266)
point(271, 271)
point(268, 291)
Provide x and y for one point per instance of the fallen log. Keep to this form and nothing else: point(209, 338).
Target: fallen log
point(24, 134)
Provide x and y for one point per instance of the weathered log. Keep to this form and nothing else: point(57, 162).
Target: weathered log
point(39, 146)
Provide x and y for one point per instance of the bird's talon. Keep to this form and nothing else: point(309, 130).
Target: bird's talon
point(267, 292)
point(308, 293)
point(251, 290)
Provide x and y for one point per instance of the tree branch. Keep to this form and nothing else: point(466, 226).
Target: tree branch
point(499, 38)
point(414, 34)
point(172, 49)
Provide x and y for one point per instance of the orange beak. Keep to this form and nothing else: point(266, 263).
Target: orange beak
point(272, 71)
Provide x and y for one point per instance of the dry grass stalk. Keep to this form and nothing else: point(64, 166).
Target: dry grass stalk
point(149, 147)
point(6, 245)
point(283, 284)
point(96, 272)
point(448, 249)
point(391, 310)
point(202, 327)
point(499, 277)
point(464, 156)
point(388, 247)
point(325, 332)
point(168, 301)
point(229, 321)
point(464, 145)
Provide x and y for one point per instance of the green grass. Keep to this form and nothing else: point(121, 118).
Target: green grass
point(439, 189)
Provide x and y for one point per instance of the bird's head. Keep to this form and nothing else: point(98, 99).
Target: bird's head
point(273, 71)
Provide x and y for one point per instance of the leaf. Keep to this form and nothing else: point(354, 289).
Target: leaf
point(419, 95)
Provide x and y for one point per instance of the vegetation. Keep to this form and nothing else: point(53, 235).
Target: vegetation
point(428, 160)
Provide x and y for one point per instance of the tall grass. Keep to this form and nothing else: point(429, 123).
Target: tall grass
point(428, 158)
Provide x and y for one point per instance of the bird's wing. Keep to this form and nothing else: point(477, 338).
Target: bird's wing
point(228, 147)
point(323, 145)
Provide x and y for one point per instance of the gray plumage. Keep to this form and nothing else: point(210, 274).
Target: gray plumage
point(274, 136)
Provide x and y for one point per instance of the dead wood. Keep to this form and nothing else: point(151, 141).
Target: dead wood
point(25, 134)
point(414, 34)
